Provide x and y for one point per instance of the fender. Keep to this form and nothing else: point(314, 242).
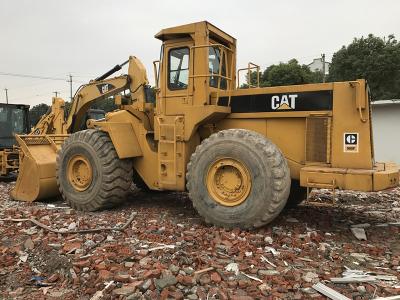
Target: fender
point(129, 132)
point(122, 127)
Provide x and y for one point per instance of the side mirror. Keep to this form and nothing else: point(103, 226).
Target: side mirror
point(156, 65)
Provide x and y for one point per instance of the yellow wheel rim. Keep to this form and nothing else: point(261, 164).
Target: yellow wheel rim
point(228, 182)
point(79, 172)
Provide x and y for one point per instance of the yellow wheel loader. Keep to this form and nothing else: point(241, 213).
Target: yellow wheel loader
point(241, 153)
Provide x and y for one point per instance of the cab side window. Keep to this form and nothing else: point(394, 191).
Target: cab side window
point(214, 61)
point(178, 68)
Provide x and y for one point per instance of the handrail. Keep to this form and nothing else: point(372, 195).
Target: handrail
point(209, 75)
point(223, 55)
point(156, 74)
point(250, 66)
point(212, 45)
point(359, 103)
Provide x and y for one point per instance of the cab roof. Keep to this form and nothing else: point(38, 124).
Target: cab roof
point(193, 28)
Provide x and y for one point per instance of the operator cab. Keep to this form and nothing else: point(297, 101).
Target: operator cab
point(14, 119)
point(177, 72)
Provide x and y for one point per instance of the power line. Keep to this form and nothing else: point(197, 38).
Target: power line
point(22, 99)
point(30, 76)
point(37, 77)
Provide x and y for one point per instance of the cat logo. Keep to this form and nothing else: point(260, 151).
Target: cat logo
point(105, 88)
point(350, 141)
point(284, 102)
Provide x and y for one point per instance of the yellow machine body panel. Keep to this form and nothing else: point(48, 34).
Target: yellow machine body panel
point(383, 176)
point(324, 131)
point(126, 148)
point(8, 162)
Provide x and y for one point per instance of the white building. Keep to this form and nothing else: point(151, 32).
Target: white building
point(386, 130)
point(316, 65)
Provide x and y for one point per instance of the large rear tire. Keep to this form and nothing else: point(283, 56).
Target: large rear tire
point(90, 175)
point(238, 178)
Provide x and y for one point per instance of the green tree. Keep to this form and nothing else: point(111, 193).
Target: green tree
point(373, 58)
point(289, 73)
point(105, 104)
point(37, 111)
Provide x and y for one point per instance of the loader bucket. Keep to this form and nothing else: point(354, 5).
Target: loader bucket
point(37, 173)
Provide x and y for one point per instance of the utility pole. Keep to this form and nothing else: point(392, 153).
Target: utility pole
point(323, 67)
point(6, 95)
point(70, 86)
point(56, 93)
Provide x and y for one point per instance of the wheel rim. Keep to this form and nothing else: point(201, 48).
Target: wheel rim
point(228, 182)
point(80, 172)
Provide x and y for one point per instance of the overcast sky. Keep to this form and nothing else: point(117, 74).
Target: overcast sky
point(85, 38)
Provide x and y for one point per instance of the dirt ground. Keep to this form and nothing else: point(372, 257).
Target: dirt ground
point(167, 252)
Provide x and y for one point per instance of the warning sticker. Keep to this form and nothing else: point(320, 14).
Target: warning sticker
point(350, 142)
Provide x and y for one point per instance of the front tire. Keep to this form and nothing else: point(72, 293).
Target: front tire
point(238, 178)
point(90, 175)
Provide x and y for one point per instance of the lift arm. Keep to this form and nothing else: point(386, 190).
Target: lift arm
point(101, 88)
point(91, 92)
point(53, 121)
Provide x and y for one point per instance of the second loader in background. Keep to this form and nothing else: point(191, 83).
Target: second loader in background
point(14, 120)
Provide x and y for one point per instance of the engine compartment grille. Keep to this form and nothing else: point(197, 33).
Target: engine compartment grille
point(318, 139)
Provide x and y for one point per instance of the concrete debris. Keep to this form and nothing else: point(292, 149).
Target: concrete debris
point(264, 259)
point(352, 276)
point(271, 250)
point(162, 247)
point(364, 225)
point(28, 244)
point(165, 281)
point(359, 233)
point(388, 298)
point(99, 294)
point(330, 293)
point(165, 251)
point(268, 240)
point(232, 267)
point(252, 277)
point(310, 277)
point(268, 272)
point(353, 279)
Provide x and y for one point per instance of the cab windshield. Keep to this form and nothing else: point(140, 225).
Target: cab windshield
point(12, 121)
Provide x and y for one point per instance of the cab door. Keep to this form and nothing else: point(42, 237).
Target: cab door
point(178, 85)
